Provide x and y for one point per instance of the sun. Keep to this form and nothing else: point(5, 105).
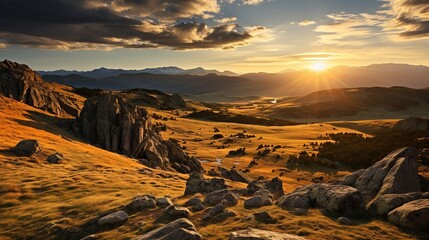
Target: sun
point(318, 66)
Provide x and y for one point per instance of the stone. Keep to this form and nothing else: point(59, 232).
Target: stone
point(55, 158)
point(216, 210)
point(20, 82)
point(182, 234)
point(264, 217)
point(198, 207)
point(382, 205)
point(197, 184)
point(216, 197)
point(164, 202)
point(177, 212)
point(213, 173)
point(371, 180)
point(109, 121)
point(27, 148)
point(332, 198)
point(257, 202)
point(141, 203)
point(90, 237)
point(350, 179)
point(117, 217)
point(257, 234)
point(234, 175)
point(169, 228)
point(275, 186)
point(413, 215)
point(193, 201)
point(344, 221)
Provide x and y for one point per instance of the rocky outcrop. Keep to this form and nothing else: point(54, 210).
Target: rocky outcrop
point(226, 197)
point(196, 183)
point(413, 215)
point(275, 186)
point(107, 120)
point(27, 148)
point(372, 180)
point(21, 83)
point(257, 234)
point(383, 204)
point(234, 175)
point(333, 199)
point(180, 229)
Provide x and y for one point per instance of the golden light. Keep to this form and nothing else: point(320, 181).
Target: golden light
point(319, 66)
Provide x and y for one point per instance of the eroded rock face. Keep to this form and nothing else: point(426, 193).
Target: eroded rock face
point(413, 215)
point(115, 125)
point(372, 179)
point(21, 83)
point(257, 234)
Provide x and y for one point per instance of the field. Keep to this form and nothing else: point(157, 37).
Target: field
point(37, 198)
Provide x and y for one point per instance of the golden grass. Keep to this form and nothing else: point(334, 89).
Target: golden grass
point(91, 180)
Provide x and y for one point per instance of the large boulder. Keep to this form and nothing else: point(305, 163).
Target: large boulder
point(27, 148)
point(332, 198)
point(196, 183)
point(21, 83)
point(117, 217)
point(107, 120)
point(257, 234)
point(141, 203)
point(181, 227)
point(234, 175)
point(412, 215)
point(382, 205)
point(371, 180)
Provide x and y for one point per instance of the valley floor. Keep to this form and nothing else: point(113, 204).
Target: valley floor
point(37, 198)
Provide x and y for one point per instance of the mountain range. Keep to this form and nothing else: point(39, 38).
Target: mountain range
point(107, 72)
point(215, 87)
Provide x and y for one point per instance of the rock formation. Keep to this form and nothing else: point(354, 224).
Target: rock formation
point(115, 125)
point(21, 83)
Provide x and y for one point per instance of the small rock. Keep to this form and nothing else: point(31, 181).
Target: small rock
point(113, 218)
point(344, 221)
point(257, 234)
point(166, 231)
point(27, 148)
point(163, 202)
point(90, 237)
point(177, 212)
point(257, 202)
point(141, 203)
point(264, 217)
point(216, 197)
point(55, 158)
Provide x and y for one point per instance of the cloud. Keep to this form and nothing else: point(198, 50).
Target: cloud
point(306, 23)
point(108, 24)
point(226, 20)
point(245, 2)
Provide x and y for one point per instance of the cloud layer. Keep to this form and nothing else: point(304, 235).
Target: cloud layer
point(106, 24)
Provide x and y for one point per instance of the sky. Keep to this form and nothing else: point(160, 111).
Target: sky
point(237, 35)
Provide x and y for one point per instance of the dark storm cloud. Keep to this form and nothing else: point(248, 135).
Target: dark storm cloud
point(79, 24)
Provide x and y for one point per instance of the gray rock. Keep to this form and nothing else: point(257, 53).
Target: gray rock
point(19, 82)
point(182, 234)
point(197, 184)
point(370, 181)
point(177, 212)
point(257, 234)
point(55, 158)
point(198, 207)
point(27, 148)
point(257, 202)
point(90, 237)
point(109, 121)
point(216, 210)
point(350, 179)
point(382, 205)
point(234, 175)
point(264, 217)
point(275, 186)
point(413, 215)
point(141, 203)
point(344, 221)
point(169, 228)
point(163, 202)
point(216, 197)
point(193, 201)
point(113, 218)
